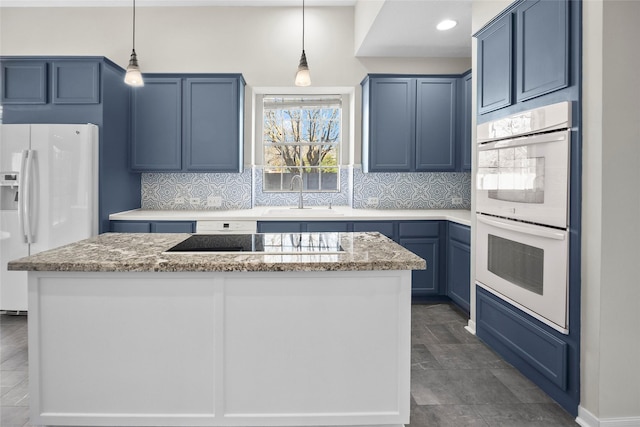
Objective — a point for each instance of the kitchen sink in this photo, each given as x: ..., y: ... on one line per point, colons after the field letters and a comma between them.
x: 305, y: 212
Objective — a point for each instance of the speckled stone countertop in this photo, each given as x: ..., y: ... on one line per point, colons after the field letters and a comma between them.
x: 128, y: 252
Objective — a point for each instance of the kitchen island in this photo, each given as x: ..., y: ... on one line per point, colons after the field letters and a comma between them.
x: 122, y: 332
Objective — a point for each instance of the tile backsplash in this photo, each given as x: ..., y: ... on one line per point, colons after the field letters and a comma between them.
x: 422, y: 190
x: 414, y: 190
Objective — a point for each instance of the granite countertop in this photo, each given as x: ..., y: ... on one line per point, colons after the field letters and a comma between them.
x: 129, y: 252
x: 285, y: 213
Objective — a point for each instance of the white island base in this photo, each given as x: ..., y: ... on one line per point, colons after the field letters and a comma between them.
x: 220, y: 348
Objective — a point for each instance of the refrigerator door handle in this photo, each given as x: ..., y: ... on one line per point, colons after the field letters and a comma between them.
x: 21, y: 193
x: 27, y: 195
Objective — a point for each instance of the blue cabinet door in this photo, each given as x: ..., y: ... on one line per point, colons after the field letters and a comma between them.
x: 435, y: 124
x: 76, y: 82
x: 459, y: 265
x: 24, y: 82
x: 542, y: 46
x: 424, y: 282
x: 391, y: 121
x: 156, y: 142
x: 495, y: 65
x: 465, y: 126
x: 212, y: 125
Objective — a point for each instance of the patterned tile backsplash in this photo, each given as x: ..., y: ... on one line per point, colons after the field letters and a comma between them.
x: 432, y: 190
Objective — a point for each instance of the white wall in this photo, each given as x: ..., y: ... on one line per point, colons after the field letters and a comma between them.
x: 264, y: 44
x: 611, y: 208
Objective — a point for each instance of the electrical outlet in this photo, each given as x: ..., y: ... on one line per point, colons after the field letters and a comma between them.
x: 214, y: 201
x: 456, y: 200
x: 194, y: 200
x: 372, y: 201
x: 178, y: 201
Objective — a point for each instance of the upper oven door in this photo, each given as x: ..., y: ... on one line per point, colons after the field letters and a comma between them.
x: 525, y: 178
x: 525, y: 264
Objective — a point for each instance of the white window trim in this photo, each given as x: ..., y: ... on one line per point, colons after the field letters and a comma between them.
x: 347, y: 148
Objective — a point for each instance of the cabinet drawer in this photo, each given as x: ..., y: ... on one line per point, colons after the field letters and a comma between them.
x: 459, y: 232
x: 420, y: 229
x: 385, y: 228
x: 173, y: 227
x: 327, y: 226
x: 130, y: 227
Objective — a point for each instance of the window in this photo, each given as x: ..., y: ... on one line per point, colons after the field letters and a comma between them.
x: 302, y: 136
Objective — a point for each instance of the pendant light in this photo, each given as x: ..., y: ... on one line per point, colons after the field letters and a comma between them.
x: 133, y: 76
x: 302, y: 76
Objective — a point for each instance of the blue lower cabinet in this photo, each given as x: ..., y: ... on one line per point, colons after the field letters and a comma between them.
x: 459, y: 265
x: 153, y: 227
x: 523, y: 342
x: 424, y: 282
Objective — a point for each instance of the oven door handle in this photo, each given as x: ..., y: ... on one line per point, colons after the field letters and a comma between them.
x: 538, y: 231
x: 525, y: 140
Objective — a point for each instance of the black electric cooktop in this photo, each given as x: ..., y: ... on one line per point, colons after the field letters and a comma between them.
x: 261, y: 243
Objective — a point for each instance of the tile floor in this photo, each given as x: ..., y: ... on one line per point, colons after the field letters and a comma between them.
x: 455, y: 381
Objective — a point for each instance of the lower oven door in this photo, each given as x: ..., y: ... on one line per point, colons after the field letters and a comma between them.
x: 525, y: 265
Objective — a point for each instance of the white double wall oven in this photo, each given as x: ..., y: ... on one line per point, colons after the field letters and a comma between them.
x: 522, y: 204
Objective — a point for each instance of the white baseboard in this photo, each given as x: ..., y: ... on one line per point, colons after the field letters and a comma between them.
x: 471, y: 327
x: 587, y: 419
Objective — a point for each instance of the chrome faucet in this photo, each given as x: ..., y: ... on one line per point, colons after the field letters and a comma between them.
x: 300, y: 201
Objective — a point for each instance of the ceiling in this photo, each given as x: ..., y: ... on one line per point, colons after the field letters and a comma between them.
x: 401, y: 28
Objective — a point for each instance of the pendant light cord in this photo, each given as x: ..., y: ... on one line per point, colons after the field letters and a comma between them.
x: 134, y: 25
x: 302, y: 25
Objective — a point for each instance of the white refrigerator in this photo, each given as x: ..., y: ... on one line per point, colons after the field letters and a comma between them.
x: 48, y: 195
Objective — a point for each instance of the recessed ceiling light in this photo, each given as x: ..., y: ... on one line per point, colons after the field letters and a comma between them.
x: 447, y: 24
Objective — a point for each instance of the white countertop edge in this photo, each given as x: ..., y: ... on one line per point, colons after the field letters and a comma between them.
x: 261, y: 213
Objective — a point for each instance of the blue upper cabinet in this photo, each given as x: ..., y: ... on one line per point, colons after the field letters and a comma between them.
x: 42, y: 81
x: 212, y: 126
x: 391, y: 120
x: 157, y: 125
x: 465, y: 126
x: 409, y: 123
x: 523, y: 54
x: 76, y: 82
x: 24, y: 82
x: 542, y: 45
x: 188, y: 123
x: 495, y: 61
x: 436, y: 124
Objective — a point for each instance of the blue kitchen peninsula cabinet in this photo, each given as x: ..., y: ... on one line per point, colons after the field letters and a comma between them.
x: 526, y: 47
x: 188, y: 123
x: 409, y: 123
x: 78, y: 89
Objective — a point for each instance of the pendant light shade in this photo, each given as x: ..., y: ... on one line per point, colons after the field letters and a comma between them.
x: 133, y: 76
x: 303, y: 78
